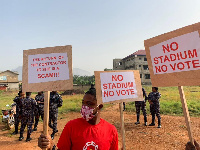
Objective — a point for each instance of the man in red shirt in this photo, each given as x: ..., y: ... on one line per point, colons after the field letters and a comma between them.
x: 87, y: 133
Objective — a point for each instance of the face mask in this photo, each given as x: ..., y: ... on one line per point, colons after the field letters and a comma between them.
x: 87, y: 113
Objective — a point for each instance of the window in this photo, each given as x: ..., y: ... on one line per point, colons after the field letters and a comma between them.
x: 145, y: 59
x: 140, y: 75
x: 140, y: 58
x: 147, y: 76
x: 145, y: 67
x: 139, y: 65
x: 120, y: 63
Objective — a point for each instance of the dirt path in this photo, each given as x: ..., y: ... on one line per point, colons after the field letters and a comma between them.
x: 172, y: 135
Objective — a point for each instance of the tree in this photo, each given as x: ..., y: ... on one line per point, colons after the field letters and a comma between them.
x: 83, y: 80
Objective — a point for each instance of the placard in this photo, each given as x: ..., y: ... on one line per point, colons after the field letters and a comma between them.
x: 47, y: 69
x: 174, y: 57
x: 118, y: 86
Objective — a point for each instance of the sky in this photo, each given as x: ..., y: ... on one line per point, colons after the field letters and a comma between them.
x: 98, y: 30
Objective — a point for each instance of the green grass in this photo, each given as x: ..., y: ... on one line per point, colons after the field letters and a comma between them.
x: 170, y: 102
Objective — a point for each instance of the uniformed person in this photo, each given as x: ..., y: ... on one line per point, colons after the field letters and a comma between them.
x: 55, y: 102
x: 39, y: 109
x: 141, y: 105
x: 28, y: 107
x: 17, y: 116
x: 153, y: 99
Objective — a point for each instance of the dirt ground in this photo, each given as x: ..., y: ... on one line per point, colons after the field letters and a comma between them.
x: 172, y: 136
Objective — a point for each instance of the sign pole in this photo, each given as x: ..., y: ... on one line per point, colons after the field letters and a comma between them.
x: 46, y: 113
x: 122, y: 125
x: 186, y: 113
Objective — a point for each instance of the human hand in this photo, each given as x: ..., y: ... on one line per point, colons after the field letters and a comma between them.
x: 190, y: 146
x: 44, y: 142
x: 150, y: 102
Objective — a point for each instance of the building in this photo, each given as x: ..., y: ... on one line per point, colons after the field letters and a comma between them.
x: 9, y: 80
x: 135, y: 61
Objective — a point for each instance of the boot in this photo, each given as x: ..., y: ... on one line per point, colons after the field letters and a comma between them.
x: 16, y: 131
x: 35, y: 128
x: 159, y: 123
x: 52, y: 135
x: 153, y: 121
x: 138, y: 119
x: 145, y: 120
x: 21, y: 137
x: 28, y: 138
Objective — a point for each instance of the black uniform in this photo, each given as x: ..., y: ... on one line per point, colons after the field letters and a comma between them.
x: 28, y: 107
x: 39, y: 109
x: 155, y: 107
x: 55, y: 102
x: 18, y: 101
x: 141, y: 105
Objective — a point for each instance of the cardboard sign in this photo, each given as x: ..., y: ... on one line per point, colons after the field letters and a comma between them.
x: 47, y: 69
x: 174, y: 57
x: 118, y: 86
x: 178, y: 54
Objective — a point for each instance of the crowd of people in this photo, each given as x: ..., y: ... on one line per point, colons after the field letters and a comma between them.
x: 29, y: 110
x: 88, y: 132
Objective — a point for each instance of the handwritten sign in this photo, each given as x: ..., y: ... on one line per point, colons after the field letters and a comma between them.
x: 118, y: 86
x: 48, y: 67
x: 174, y: 57
x: 178, y: 54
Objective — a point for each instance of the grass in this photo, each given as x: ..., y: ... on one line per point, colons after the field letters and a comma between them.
x: 170, y: 102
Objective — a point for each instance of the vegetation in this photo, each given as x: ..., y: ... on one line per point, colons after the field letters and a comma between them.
x: 83, y: 80
x: 169, y: 101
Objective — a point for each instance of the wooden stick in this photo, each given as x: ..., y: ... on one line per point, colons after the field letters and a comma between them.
x: 122, y: 125
x: 46, y: 113
x: 186, y: 113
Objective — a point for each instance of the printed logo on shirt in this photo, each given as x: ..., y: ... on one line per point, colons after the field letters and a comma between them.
x: 90, y: 146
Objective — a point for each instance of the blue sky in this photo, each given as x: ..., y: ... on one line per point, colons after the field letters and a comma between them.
x: 98, y: 30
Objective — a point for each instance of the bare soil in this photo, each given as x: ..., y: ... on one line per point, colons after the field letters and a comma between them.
x: 172, y: 136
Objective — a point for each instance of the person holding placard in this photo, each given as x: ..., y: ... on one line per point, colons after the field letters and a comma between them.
x: 190, y: 146
x: 28, y: 108
x: 55, y: 102
x: 153, y: 99
x: 141, y: 105
x: 88, y: 132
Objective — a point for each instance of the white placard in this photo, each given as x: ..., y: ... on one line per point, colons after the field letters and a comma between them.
x: 178, y: 54
x: 47, y: 67
x: 117, y: 86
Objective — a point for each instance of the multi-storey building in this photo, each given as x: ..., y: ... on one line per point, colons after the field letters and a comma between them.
x: 135, y: 61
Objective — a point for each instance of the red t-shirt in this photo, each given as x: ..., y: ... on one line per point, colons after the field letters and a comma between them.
x: 78, y: 134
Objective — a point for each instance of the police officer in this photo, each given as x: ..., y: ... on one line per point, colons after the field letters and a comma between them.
x: 39, y: 109
x: 28, y: 107
x: 141, y: 105
x: 17, y: 116
x: 153, y: 99
x: 55, y: 102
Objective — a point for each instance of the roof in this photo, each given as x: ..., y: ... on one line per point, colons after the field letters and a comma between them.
x: 9, y: 71
x: 139, y: 52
